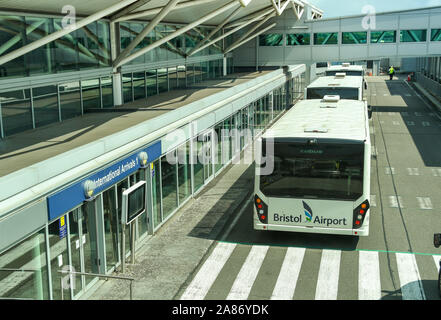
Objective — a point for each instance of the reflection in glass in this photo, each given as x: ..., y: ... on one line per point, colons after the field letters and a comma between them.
x: 29, y: 256
x: 169, y: 187
x: 184, y: 172
x: 16, y: 111
x: 91, y: 94
x: 151, y: 83
x: 198, y: 167
x: 45, y: 105
x: 89, y: 239
x: 139, y: 85
x: 75, y: 247
x: 12, y: 29
x: 111, y: 228
x: 59, y: 257
x: 156, y: 192
x: 127, y: 87
x: 107, y: 92
x: 162, y: 80
x: 70, y: 100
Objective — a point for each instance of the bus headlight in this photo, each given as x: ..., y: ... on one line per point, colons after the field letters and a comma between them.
x: 261, y: 209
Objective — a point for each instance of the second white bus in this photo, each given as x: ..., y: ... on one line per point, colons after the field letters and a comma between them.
x: 314, y: 170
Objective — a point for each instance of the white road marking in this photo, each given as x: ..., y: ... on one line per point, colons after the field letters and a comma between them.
x: 413, y: 171
x: 208, y: 273
x: 426, y: 124
x: 437, y: 259
x: 411, y: 286
x: 289, y: 273
x: 327, y: 282
x: 247, y: 275
x: 369, y: 284
x: 373, y: 200
x: 390, y: 170
x: 396, y: 202
x: 436, y: 172
x: 396, y: 123
x: 425, y: 203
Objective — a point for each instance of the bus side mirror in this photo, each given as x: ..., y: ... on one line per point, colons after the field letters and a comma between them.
x: 365, y: 85
x: 437, y: 240
x: 370, y: 112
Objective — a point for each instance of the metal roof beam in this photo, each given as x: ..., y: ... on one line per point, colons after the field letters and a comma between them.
x: 249, y: 32
x: 58, y: 34
x: 192, y: 25
x: 230, y: 32
x: 129, y: 9
x: 252, y: 15
x: 153, y: 11
x: 250, y: 38
x: 215, y: 30
x: 149, y: 28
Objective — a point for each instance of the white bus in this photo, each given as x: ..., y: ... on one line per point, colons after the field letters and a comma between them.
x: 347, y: 87
x: 350, y: 70
x: 314, y: 170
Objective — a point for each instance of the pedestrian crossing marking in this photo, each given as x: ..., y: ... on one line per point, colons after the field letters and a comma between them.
x: 436, y: 172
x: 369, y: 284
x: 425, y: 203
x: 327, y: 282
x: 248, y: 273
x: 396, y: 201
x: 413, y: 171
x: 411, y: 285
x: 208, y: 273
x: 287, y: 280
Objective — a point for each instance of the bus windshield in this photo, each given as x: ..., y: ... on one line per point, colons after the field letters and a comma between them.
x: 344, y: 93
x: 323, y: 171
x: 348, y: 73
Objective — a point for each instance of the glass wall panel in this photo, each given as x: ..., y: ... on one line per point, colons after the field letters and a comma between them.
x: 66, y: 49
x: 75, y: 244
x: 107, y: 92
x: 218, y: 160
x: 205, y: 70
x: 89, y: 239
x: 12, y: 29
x: 127, y: 87
x: 103, y: 41
x: 383, y: 36
x: 120, y: 188
x: 156, y: 192
x: 198, y: 72
x: 91, y: 94
x: 326, y: 38
x: 58, y: 256
x: 162, y: 80
x: 184, y: 172
x: 190, y: 75
x: 354, y: 37
x: 16, y: 111
x: 435, y: 35
x: 198, y: 166
x: 32, y: 282
x: 161, y: 31
x: 139, y: 88
x: 169, y: 187
x: 152, y: 88
x: 271, y: 40
x: 298, y: 39
x: 88, y: 47
x: 111, y: 228
x: 173, y: 78
x: 40, y: 60
x: 226, y: 141
x: 182, y: 77
x: 45, y: 105
x: 413, y: 35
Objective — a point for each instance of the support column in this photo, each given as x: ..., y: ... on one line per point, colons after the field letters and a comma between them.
x: 225, y: 67
x: 117, y: 88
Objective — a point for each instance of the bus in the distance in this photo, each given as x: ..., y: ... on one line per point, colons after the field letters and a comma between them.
x: 314, y: 170
x: 347, y: 87
x: 350, y: 70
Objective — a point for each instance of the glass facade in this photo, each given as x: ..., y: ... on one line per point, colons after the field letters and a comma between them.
x: 271, y: 40
x: 354, y: 37
x: 298, y: 39
x: 326, y: 38
x: 435, y: 35
x: 383, y: 36
x: 413, y: 35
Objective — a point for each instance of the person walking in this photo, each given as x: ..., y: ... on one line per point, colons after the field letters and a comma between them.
x: 391, y: 73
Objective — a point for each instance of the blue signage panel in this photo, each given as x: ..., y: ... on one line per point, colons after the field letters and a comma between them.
x: 67, y: 199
